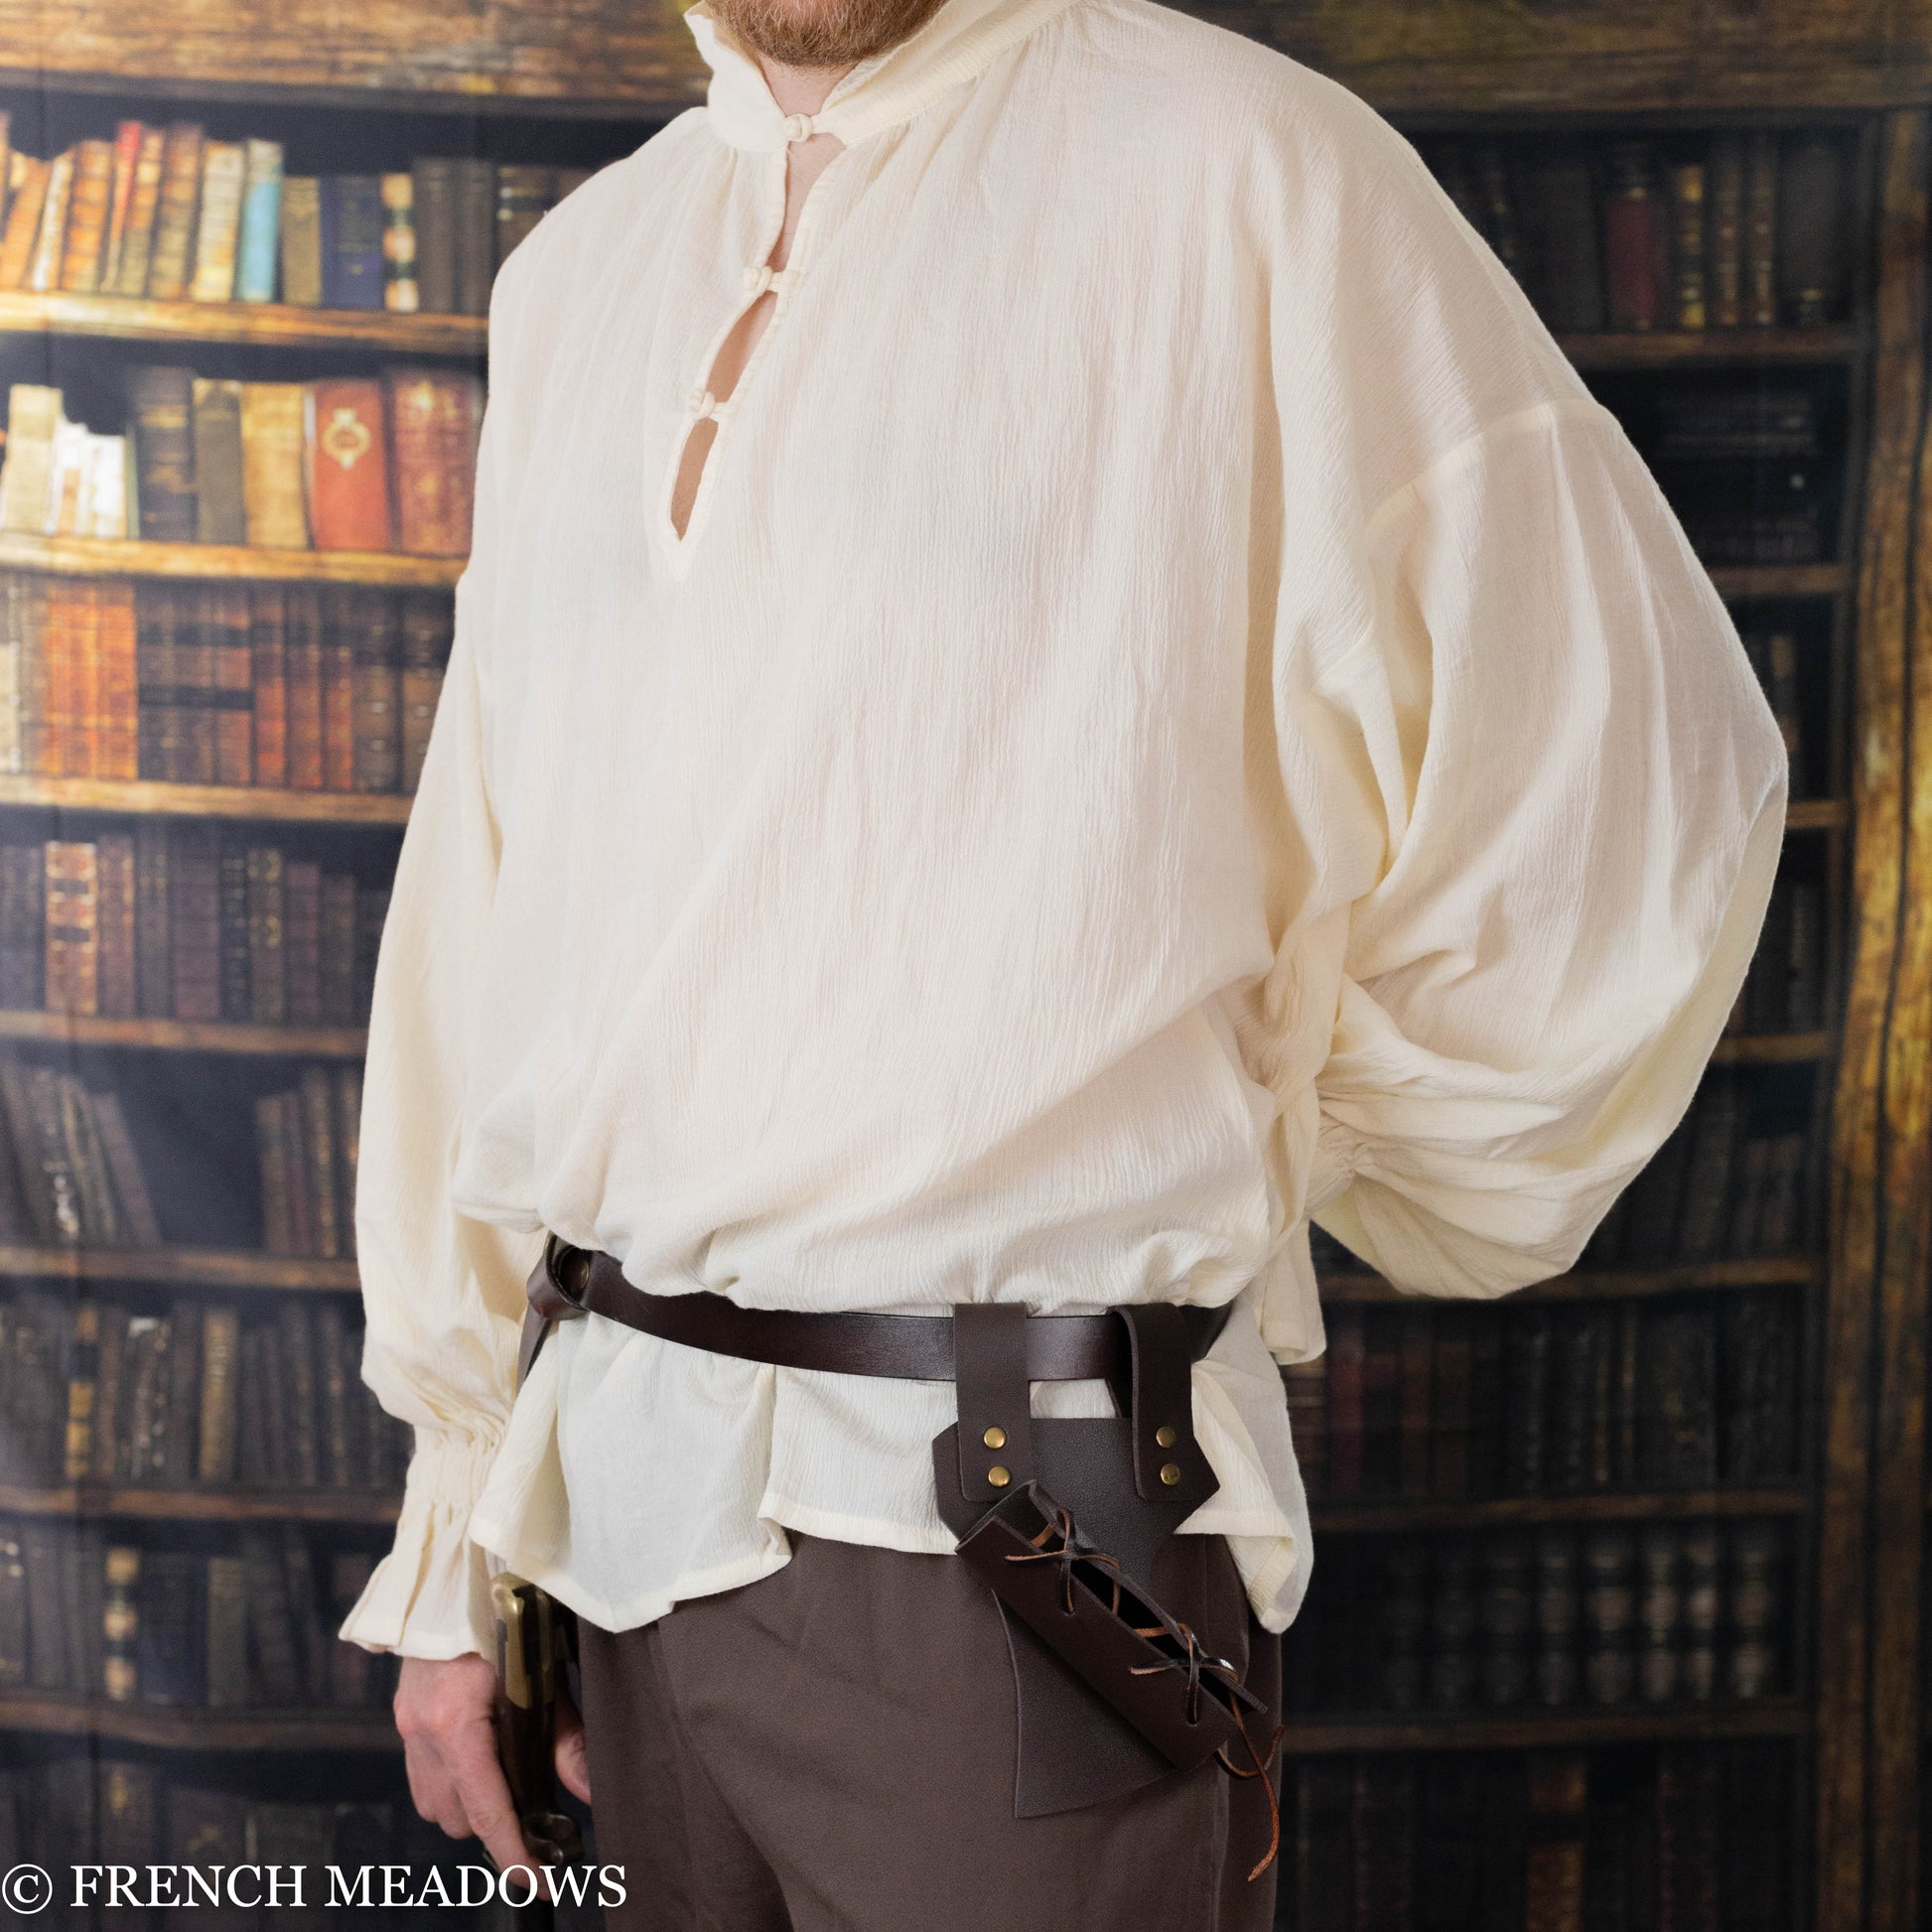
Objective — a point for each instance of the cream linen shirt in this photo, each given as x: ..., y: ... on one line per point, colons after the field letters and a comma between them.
x: 1174, y: 711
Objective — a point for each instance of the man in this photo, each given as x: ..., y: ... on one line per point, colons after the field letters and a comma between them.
x: 1056, y: 677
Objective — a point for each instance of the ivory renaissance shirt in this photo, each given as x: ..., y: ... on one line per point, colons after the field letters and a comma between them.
x: 1175, y: 712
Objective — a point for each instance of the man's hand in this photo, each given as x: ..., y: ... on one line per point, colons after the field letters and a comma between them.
x: 446, y: 1712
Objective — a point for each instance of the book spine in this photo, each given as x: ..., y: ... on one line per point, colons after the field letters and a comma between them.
x: 73, y: 972
x: 120, y: 200
x: 301, y: 214
x: 137, y: 247
x: 87, y: 215
x: 400, y: 292
x: 179, y: 200
x: 261, y: 204
x: 154, y: 948
x: 115, y: 923
x: 267, y: 611
x: 235, y: 685
x: 223, y: 165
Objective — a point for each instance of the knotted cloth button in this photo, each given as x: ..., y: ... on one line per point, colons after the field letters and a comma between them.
x: 798, y: 127
x: 703, y: 403
x: 758, y: 280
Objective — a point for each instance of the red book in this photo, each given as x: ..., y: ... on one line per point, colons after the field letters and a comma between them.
x: 347, y: 459
x: 434, y: 418
x: 60, y: 672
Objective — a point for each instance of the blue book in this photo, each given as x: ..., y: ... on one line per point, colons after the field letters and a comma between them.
x: 351, y: 241
x: 261, y: 222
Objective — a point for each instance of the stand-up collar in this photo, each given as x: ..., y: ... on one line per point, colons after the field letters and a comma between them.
x: 957, y: 43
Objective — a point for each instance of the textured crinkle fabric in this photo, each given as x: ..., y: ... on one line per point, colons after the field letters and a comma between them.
x: 1175, y: 712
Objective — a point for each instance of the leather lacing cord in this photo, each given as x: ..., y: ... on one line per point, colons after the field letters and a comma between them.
x: 1192, y: 1659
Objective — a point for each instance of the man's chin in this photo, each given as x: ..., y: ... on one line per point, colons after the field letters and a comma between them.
x: 822, y: 34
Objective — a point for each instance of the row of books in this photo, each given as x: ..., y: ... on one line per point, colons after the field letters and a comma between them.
x: 1784, y: 990
x: 168, y: 214
x: 1556, y: 1618
x: 364, y: 464
x: 1683, y: 1838
x: 202, y: 1396
x: 1460, y: 1402
x: 184, y: 922
x: 69, y: 1172
x: 306, y: 1140
x: 1723, y: 1185
x: 1728, y: 231
x: 85, y: 1613
x: 308, y: 687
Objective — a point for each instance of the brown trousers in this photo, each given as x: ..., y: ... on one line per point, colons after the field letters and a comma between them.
x: 831, y: 1750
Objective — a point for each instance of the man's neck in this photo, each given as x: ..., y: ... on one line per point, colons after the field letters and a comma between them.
x: 800, y: 90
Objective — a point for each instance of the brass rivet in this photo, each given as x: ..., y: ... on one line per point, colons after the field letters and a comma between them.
x: 995, y: 1437
x: 998, y: 1475
x: 1164, y: 1435
x: 1171, y: 1474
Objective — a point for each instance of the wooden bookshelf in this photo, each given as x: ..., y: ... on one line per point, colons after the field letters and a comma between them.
x: 232, y: 1269
x: 1674, y: 348
x: 1397, y: 1517
x: 187, y: 1035
x: 96, y: 1502
x: 1771, y: 1049
x: 270, y: 325
x: 194, y: 1728
x: 129, y: 557
x: 1851, y: 1728
x: 1555, y: 1730
x: 150, y: 799
x: 1743, y: 583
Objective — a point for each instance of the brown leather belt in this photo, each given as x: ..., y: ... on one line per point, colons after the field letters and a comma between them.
x: 915, y: 1348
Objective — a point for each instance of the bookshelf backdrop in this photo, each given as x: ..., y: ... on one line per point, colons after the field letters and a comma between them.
x: 1608, y: 1628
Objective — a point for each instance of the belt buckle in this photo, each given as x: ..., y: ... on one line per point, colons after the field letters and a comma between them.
x: 568, y: 1267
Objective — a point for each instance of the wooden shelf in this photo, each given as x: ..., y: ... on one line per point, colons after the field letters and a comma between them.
x: 1356, y: 1517
x: 240, y: 1269
x: 1652, y: 348
x: 1816, y: 815
x: 1770, y: 1049
x: 273, y: 324
x: 92, y: 1500
x: 1779, y: 580
x: 143, y: 797
x: 1493, y: 1732
x: 125, y: 557
x: 203, y: 1729
x: 187, y: 1035
x: 1610, y: 1285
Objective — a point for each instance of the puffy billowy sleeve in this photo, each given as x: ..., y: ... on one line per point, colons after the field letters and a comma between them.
x: 443, y: 1293
x: 1550, y: 738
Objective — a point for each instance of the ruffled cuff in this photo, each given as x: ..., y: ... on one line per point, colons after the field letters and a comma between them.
x: 430, y: 1596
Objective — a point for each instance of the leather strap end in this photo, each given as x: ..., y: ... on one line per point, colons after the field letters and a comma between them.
x: 1169, y: 1461
x: 996, y: 1434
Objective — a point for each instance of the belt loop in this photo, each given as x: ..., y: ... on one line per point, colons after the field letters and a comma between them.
x: 1168, y: 1458
x: 995, y: 1422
